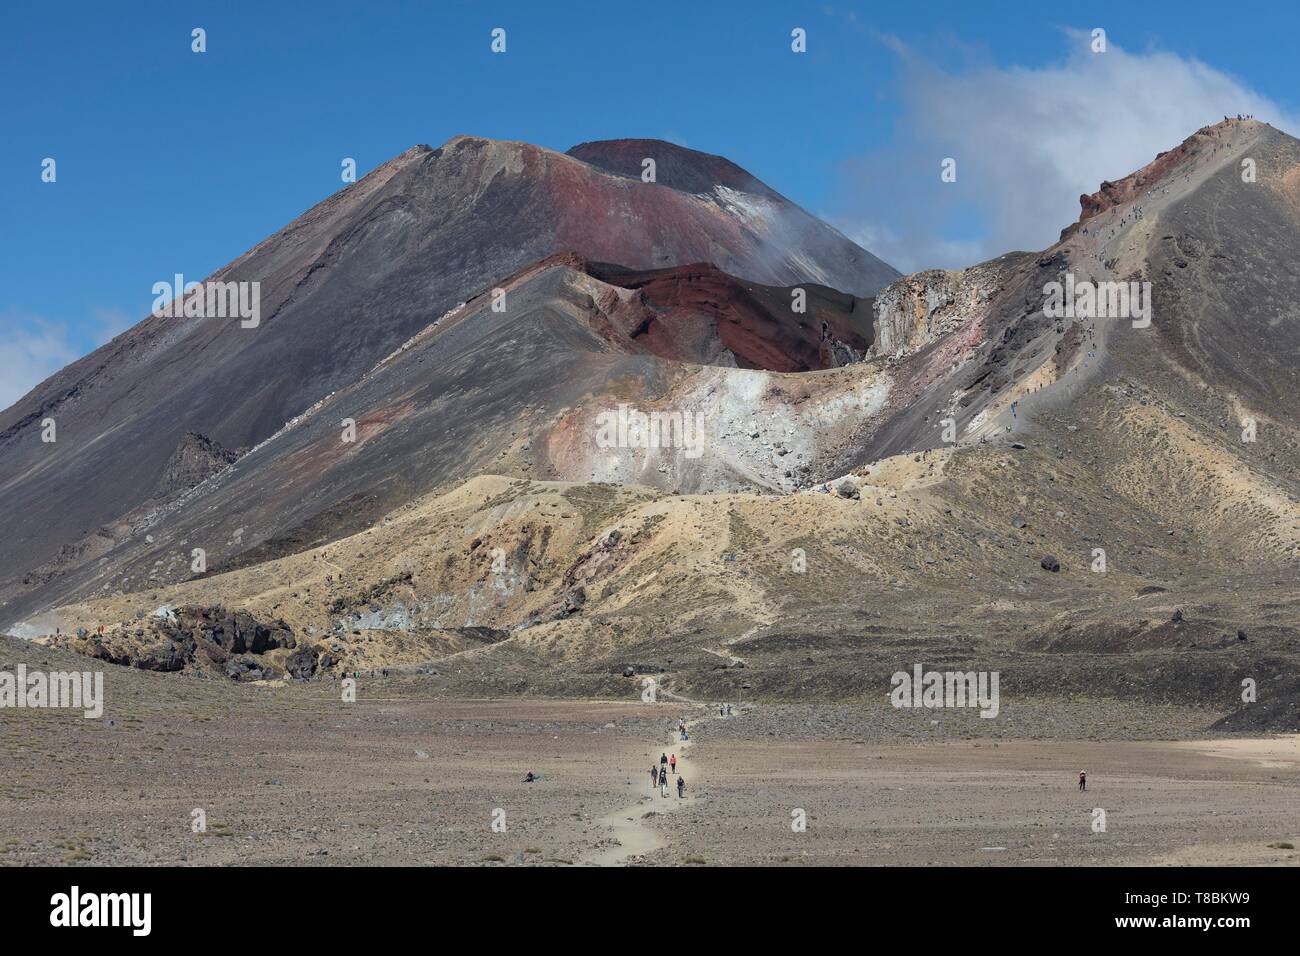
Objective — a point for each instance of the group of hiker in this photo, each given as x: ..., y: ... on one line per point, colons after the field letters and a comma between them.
x: 660, y: 773
x: 667, y: 765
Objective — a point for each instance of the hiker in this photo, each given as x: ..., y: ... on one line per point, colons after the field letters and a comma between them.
x: 683, y: 734
x: 1083, y: 780
x: 663, y: 777
x: 663, y: 759
x: 721, y: 710
x: 681, y: 786
x: 663, y: 787
x: 654, y: 776
x: 672, y: 763
x: 529, y: 777
x: 728, y: 710
x: 681, y: 724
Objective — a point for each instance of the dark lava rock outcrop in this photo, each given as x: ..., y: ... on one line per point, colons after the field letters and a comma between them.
x: 234, y: 643
x: 195, y: 459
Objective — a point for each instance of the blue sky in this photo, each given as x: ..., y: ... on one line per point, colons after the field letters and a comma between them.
x: 171, y: 161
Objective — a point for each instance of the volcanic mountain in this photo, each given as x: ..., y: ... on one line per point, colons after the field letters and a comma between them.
x: 949, y: 472
x: 412, y: 247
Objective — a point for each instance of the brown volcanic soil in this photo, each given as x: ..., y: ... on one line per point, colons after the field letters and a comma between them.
x: 293, y: 775
x: 980, y: 803
x: 296, y: 776
x: 926, y: 565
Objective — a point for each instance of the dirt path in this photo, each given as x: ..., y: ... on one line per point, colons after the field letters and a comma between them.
x: 731, y: 659
x: 629, y: 826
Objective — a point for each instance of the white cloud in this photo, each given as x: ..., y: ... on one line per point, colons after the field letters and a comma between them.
x: 110, y: 323
x: 1027, y: 142
x: 31, y: 350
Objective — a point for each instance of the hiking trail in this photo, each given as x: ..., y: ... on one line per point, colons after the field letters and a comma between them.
x: 630, y: 827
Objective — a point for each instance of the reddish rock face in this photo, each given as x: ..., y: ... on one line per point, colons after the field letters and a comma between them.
x: 1117, y: 193
x: 700, y: 314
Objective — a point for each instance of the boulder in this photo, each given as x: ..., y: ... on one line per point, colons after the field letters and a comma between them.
x: 302, y: 663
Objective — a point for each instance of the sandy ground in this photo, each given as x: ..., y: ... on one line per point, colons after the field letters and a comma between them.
x: 293, y: 775
x: 991, y: 803
x: 310, y: 782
